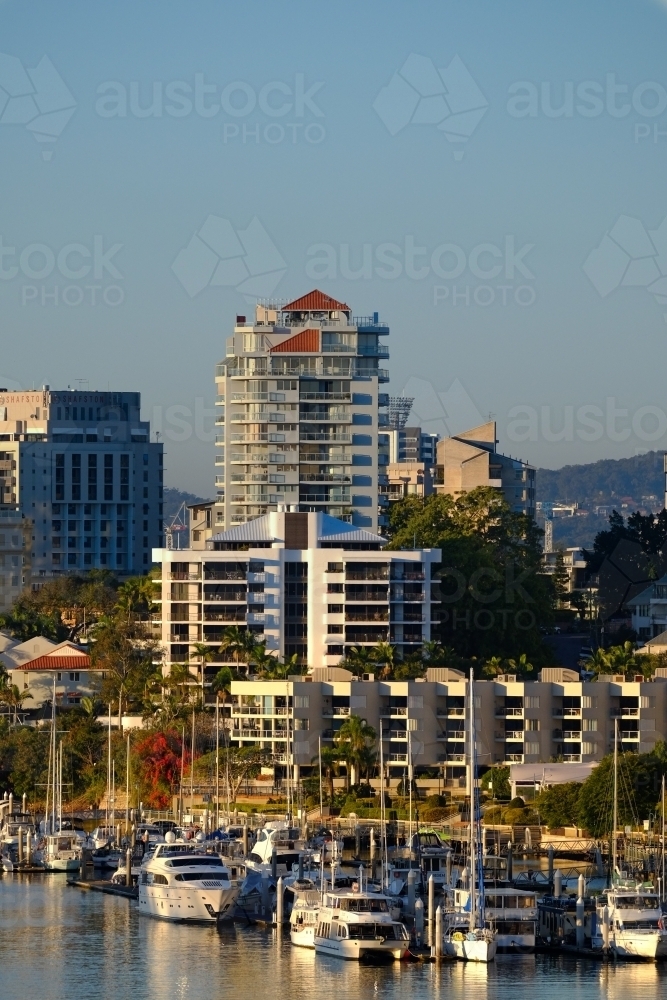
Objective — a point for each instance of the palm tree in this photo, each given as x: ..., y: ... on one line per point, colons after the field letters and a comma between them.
x: 521, y: 667
x: 222, y: 683
x: 621, y: 658
x: 135, y: 592
x: 432, y: 652
x: 13, y: 698
x: 331, y: 759
x: 355, y: 737
x: 359, y: 659
x: 179, y: 679
x: 239, y: 642
x: 204, y: 653
x: 492, y: 667
x: 598, y: 663
x: 383, y: 655
x: 265, y: 663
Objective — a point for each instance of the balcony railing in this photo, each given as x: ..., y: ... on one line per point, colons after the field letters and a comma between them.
x: 184, y: 576
x: 393, y: 712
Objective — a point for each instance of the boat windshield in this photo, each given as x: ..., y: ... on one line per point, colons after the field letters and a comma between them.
x: 199, y: 861
x: 198, y: 876
x: 370, y: 932
x: 638, y: 902
x: 640, y: 925
x: 364, y: 905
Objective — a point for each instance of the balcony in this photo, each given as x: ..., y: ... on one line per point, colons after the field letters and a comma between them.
x: 393, y: 712
x: 375, y: 352
x: 459, y: 734
x: 509, y: 713
x: 255, y: 618
x: 572, y: 735
x: 572, y: 758
x: 184, y: 576
x: 515, y: 736
x: 514, y: 758
x: 336, y: 397
x: 394, y: 734
x: 398, y: 758
x: 343, y: 438
x: 629, y: 734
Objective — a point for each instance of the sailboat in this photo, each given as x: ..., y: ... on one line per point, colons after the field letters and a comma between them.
x: 467, y: 935
x: 61, y: 851
x: 629, y: 914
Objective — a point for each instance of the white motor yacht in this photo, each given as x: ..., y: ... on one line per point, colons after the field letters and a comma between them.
x: 182, y: 883
x: 356, y: 925
x: 305, y: 910
x: 101, y: 836
x: 635, y: 921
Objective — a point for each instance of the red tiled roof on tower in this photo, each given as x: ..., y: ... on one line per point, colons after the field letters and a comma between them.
x: 315, y: 301
x: 304, y: 341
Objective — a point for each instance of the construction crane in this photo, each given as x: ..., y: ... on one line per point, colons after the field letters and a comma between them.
x: 177, y: 525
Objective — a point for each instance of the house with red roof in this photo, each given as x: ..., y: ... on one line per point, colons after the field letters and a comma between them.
x: 37, y: 664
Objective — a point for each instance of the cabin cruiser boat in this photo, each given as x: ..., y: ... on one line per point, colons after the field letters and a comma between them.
x: 102, y: 836
x: 182, y: 883
x: 635, y: 920
x: 9, y: 831
x: 356, y: 924
x: 511, y: 912
x: 61, y: 852
x: 305, y: 910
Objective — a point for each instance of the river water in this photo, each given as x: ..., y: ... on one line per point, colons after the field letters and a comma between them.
x: 61, y: 943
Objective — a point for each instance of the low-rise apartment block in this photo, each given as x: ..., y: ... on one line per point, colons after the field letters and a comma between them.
x: 558, y: 717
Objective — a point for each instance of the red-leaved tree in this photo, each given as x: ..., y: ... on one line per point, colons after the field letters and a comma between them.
x: 159, y: 757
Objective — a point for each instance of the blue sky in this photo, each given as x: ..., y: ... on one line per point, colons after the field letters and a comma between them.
x: 532, y: 290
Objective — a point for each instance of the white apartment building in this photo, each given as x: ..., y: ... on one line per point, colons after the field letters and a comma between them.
x: 298, y: 413
x: 517, y: 722
x: 305, y: 583
x: 81, y: 466
x: 649, y: 610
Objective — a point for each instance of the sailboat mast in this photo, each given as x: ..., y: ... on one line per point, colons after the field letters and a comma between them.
x: 55, y: 761
x: 615, y: 814
x: 471, y: 793
x: 662, y: 838
x: 108, y: 771
x: 192, y: 769
x: 319, y: 757
x: 217, y: 763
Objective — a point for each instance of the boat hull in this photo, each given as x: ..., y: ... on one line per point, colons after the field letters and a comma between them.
x: 359, y: 951
x: 628, y: 945
x: 471, y: 950
x: 303, y: 937
x: 196, y: 904
x: 62, y: 864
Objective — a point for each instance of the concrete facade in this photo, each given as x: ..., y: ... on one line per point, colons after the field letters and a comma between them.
x: 528, y: 722
x: 15, y: 553
x: 298, y: 396
x: 468, y: 460
x: 82, y: 468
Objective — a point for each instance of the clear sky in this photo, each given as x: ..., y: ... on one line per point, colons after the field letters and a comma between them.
x: 489, y: 177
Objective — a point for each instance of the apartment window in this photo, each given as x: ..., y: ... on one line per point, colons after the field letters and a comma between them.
x: 532, y: 725
x: 335, y: 629
x: 74, y: 676
x: 415, y: 701
x: 532, y: 748
x: 71, y: 559
x: 587, y: 748
x: 108, y: 477
x: 334, y: 567
x: 335, y: 609
x: 92, y: 477
x: 335, y: 588
x: 589, y: 701
x: 647, y: 701
x: 589, y: 725
x: 60, y: 477
x: 76, y: 477
x: 125, y: 477
x: 301, y: 701
x: 532, y: 701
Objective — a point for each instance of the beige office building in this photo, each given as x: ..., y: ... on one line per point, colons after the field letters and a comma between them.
x: 468, y: 460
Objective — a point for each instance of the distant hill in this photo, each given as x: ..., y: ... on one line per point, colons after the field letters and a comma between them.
x: 601, y: 482
x: 624, y: 484
x: 174, y: 498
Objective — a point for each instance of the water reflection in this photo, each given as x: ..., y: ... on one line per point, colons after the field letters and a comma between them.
x: 64, y: 944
